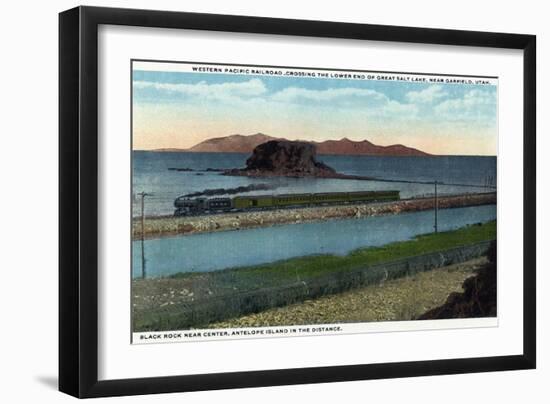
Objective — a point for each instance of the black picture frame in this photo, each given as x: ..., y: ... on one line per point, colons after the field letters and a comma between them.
x: 78, y: 200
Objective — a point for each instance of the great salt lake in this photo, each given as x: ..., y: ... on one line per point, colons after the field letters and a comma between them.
x: 216, y: 251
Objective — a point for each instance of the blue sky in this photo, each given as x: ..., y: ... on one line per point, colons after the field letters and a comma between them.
x: 179, y: 109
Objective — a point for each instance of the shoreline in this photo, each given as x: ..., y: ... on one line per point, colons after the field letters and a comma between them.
x: 195, y: 299
x: 165, y: 226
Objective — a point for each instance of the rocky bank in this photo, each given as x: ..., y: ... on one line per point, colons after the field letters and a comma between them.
x: 155, y: 227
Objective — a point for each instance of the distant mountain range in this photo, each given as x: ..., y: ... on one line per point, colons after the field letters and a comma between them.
x: 344, y: 146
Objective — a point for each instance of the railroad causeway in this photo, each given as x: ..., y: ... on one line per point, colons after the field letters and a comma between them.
x: 156, y: 227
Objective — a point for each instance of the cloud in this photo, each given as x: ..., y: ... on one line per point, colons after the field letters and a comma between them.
x: 474, y: 105
x: 397, y: 110
x: 220, y: 91
x: 370, y: 102
x: 296, y: 94
x: 427, y: 95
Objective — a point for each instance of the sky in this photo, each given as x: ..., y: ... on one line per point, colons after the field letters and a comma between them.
x: 181, y: 109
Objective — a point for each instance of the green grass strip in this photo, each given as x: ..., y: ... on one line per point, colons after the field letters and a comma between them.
x: 317, y: 265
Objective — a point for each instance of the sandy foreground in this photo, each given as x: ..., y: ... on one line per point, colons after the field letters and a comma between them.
x: 156, y: 227
x: 400, y: 299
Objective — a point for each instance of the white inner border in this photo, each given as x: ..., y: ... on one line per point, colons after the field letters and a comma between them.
x: 119, y: 359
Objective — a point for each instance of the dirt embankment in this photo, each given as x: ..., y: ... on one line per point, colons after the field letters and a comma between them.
x: 166, y: 226
x: 395, y: 300
x: 478, y: 297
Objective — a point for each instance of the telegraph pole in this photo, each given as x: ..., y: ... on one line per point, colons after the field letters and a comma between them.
x: 435, y: 207
x: 143, y: 195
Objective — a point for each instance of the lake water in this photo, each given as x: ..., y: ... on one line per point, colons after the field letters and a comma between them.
x: 151, y: 175
x: 216, y: 251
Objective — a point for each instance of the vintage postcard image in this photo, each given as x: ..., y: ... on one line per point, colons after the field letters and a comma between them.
x: 270, y: 201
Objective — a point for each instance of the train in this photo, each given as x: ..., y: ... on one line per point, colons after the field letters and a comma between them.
x: 186, y: 206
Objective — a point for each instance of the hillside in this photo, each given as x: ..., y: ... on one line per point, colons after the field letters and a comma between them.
x: 344, y: 146
x: 232, y: 143
x: 349, y: 147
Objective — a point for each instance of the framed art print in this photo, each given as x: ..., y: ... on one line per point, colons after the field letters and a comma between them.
x: 249, y: 201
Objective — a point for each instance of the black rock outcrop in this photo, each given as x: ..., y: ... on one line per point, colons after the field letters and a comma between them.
x: 285, y: 158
